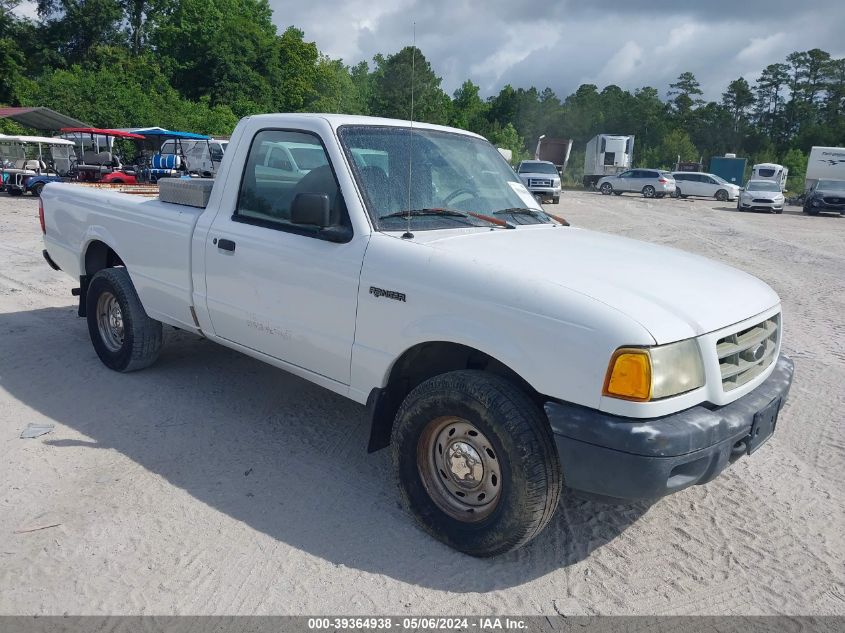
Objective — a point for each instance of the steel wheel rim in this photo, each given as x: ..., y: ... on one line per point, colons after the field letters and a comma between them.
x: 110, y: 321
x: 648, y: 192
x: 459, y: 469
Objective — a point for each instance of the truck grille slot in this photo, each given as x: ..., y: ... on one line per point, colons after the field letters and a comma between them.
x: 539, y: 182
x: 746, y: 354
x: 763, y: 200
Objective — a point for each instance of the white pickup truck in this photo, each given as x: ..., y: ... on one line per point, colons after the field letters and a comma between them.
x: 502, y: 353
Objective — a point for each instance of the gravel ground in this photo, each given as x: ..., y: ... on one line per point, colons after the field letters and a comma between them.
x: 214, y: 484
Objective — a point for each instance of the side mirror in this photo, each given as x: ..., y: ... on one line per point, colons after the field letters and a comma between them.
x: 311, y: 209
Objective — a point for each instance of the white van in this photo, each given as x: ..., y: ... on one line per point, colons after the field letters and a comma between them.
x: 770, y: 171
x: 824, y: 162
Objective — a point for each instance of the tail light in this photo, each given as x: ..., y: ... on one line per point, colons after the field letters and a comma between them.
x: 41, y: 216
x: 662, y: 180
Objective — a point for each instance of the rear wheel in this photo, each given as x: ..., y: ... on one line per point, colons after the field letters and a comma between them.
x: 648, y: 191
x: 124, y: 337
x: 721, y: 195
x: 37, y: 188
x: 606, y: 188
x: 14, y: 192
x: 476, y: 462
x: 677, y: 193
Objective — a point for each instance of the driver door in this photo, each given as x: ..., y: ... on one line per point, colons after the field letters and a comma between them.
x: 277, y: 287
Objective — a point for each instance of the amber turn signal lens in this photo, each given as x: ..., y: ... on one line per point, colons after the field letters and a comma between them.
x: 629, y: 375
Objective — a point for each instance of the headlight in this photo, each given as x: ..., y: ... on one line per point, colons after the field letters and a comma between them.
x: 651, y: 373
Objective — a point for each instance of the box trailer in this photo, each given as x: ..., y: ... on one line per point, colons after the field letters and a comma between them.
x: 729, y: 167
x: 554, y: 150
x: 825, y: 162
x: 607, y: 155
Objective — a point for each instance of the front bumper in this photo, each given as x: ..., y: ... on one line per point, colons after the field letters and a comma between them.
x: 623, y: 458
x: 762, y: 206
x: 821, y: 205
x: 550, y: 192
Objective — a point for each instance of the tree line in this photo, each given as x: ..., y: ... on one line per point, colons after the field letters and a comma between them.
x: 200, y: 65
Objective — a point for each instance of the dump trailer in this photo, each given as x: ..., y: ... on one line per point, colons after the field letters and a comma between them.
x: 607, y: 155
x: 554, y: 150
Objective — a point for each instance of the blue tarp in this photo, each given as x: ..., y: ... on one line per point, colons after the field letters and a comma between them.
x: 157, y: 131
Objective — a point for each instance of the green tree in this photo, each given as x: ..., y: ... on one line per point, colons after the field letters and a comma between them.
x: 796, y: 162
x: 391, y: 88
x: 685, y: 93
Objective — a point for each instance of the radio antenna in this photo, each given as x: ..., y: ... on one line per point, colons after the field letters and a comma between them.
x: 408, y: 234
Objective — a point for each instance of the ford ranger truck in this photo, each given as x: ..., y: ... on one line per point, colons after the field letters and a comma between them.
x: 501, y: 353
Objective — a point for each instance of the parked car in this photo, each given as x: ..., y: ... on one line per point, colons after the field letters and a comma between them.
x: 541, y: 178
x: 499, y: 361
x: 703, y: 184
x: 651, y: 183
x: 825, y: 195
x: 761, y: 195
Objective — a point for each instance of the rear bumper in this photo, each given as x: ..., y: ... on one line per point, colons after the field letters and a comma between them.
x: 624, y: 458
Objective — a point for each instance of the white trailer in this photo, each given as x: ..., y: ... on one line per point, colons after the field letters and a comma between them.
x: 607, y: 155
x: 770, y: 171
x: 824, y: 162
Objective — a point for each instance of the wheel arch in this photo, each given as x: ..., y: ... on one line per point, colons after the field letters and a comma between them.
x: 421, y: 362
x: 98, y: 255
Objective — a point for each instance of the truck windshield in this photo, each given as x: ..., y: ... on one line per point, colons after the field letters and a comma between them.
x: 537, y: 168
x: 399, y: 169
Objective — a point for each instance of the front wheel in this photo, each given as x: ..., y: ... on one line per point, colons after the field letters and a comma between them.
x: 606, y: 188
x: 556, y: 200
x: 124, y: 337
x: 721, y: 195
x: 676, y: 193
x: 476, y: 462
x: 648, y: 191
x: 36, y: 189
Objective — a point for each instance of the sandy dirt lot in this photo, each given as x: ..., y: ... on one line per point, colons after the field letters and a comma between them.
x: 212, y: 483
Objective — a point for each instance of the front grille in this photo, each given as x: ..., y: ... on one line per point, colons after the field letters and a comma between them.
x: 834, y: 200
x: 763, y: 200
x: 746, y: 354
x: 539, y: 182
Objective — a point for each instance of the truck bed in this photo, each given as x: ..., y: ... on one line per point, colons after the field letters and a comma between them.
x: 152, y: 239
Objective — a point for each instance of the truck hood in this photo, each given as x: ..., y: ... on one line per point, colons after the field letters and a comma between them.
x: 671, y: 293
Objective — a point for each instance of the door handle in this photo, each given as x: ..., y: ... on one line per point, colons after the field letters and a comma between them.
x: 226, y: 245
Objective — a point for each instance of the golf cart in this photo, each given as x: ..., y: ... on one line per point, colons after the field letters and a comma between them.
x: 177, y: 154
x: 26, y: 160
x: 98, y: 157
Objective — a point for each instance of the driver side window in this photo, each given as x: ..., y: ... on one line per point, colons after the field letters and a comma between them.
x: 270, y: 182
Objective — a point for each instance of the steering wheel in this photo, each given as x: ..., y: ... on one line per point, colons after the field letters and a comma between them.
x: 458, y: 192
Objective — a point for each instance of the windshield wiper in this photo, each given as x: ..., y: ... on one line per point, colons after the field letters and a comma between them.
x: 533, y: 213
x: 449, y: 213
x: 415, y: 213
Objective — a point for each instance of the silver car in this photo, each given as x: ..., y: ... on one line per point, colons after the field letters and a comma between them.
x: 762, y: 195
x: 541, y: 178
x: 695, y: 183
x: 651, y: 183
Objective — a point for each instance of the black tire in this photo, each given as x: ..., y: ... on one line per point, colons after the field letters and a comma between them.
x: 520, y: 446
x: 606, y: 189
x: 140, y: 338
x: 617, y: 193
x: 721, y: 195
x: 648, y: 191
x: 677, y: 193
x: 659, y: 195
x: 738, y: 205
x: 14, y: 192
x: 556, y: 200
x: 36, y: 189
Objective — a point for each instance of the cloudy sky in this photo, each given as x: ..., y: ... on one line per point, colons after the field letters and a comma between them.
x: 562, y: 44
